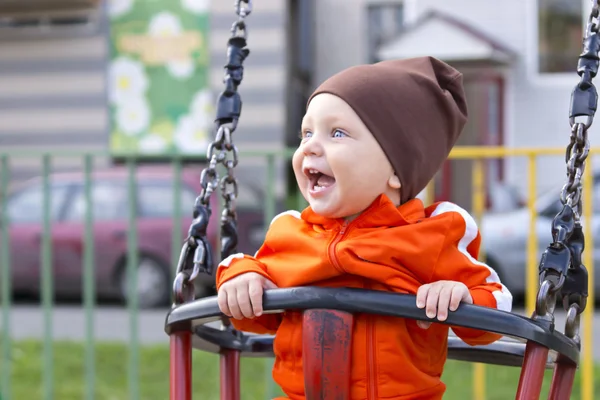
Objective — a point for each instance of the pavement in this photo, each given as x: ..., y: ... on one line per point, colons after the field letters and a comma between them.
x: 113, y: 323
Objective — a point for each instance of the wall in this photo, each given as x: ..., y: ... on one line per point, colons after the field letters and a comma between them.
x: 341, y: 35
x: 53, y: 85
x: 536, y: 107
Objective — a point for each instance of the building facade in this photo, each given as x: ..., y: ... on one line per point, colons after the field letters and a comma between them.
x: 519, y: 61
x: 53, y: 74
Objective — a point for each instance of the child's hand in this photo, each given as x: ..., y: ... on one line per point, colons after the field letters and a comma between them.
x: 242, y: 296
x: 440, y: 296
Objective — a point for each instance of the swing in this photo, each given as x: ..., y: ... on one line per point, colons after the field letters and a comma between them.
x: 530, y: 343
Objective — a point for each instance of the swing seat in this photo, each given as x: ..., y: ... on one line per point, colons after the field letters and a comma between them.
x: 527, y: 343
x: 507, y: 351
x: 201, y: 317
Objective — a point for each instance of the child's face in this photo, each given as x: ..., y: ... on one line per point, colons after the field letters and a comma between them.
x: 339, y: 166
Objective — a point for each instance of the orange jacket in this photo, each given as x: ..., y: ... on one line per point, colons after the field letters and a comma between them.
x: 386, y: 248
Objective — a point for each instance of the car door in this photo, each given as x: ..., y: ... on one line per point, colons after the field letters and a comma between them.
x: 156, y: 216
x: 595, y: 246
x: 109, y: 235
x: 25, y: 219
x: 545, y: 230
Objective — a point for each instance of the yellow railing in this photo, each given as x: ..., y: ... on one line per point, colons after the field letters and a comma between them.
x: 479, y: 155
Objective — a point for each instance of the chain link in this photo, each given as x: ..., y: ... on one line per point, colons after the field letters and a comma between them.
x: 592, y: 25
x: 577, y: 152
x: 572, y: 323
x: 561, y: 268
x: 196, y: 250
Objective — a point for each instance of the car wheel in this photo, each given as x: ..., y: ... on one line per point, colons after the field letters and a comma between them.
x: 153, y: 283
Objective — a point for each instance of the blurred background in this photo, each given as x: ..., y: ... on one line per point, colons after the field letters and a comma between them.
x: 106, y: 112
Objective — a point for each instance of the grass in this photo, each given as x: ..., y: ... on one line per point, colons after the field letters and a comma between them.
x: 111, y: 381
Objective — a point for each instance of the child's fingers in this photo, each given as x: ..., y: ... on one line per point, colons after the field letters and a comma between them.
x: 423, y: 324
x: 232, y: 302
x: 422, y: 295
x: 267, y: 284
x: 243, y: 300
x: 444, y: 302
x: 457, y: 295
x: 255, y: 291
x: 432, y: 300
x: 222, y: 301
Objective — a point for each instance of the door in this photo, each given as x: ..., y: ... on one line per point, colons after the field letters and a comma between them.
x: 25, y: 219
x: 156, y: 212
x: 544, y: 229
x: 109, y: 235
x: 484, y: 127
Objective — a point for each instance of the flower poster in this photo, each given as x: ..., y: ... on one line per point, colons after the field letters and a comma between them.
x: 158, y: 77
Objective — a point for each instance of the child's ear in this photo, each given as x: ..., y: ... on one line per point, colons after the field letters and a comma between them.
x: 394, y: 182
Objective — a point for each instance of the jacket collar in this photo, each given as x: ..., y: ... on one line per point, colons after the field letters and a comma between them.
x: 381, y: 213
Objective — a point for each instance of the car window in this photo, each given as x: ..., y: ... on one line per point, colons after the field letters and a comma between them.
x: 27, y: 204
x: 596, y: 199
x: 552, y: 209
x: 109, y: 201
x: 556, y: 205
x: 155, y: 199
x: 248, y: 198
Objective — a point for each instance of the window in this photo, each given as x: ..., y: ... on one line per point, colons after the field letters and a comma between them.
x: 156, y: 200
x: 560, y: 33
x: 109, y: 202
x: 385, y: 22
x: 553, y: 207
x: 19, y: 20
x: 596, y: 198
x: 27, y: 205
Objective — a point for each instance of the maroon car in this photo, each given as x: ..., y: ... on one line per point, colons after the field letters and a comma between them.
x: 155, y: 223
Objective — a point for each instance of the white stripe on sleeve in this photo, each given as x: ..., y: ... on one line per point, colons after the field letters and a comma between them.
x: 503, y: 297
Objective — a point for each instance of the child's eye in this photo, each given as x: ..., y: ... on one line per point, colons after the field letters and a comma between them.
x: 305, y: 134
x: 338, y: 133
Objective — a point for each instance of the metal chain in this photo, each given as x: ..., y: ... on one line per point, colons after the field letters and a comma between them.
x: 561, y: 268
x: 196, y: 249
x: 577, y: 152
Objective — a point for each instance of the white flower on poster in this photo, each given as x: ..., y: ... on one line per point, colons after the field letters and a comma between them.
x: 181, y: 69
x: 196, y: 6
x: 164, y: 24
x: 190, y: 135
x: 127, y: 80
x: 153, y: 144
x: 202, y: 109
x: 118, y: 8
x: 203, y: 104
x: 133, y: 116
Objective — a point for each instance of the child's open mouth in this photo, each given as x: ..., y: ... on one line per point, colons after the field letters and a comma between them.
x: 319, y: 182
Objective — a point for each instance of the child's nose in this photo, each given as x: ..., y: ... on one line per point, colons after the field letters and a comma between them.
x: 312, y: 146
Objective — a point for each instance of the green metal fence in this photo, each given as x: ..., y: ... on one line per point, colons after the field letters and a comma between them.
x: 87, y: 160
x: 87, y: 163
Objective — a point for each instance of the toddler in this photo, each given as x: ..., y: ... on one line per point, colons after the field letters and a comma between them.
x: 373, y: 136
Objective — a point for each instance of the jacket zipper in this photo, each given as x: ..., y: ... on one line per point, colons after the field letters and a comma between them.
x: 371, y: 365
x: 372, y: 378
x: 338, y: 237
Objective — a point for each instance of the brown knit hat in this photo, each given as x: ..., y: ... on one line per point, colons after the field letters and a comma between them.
x: 415, y: 108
